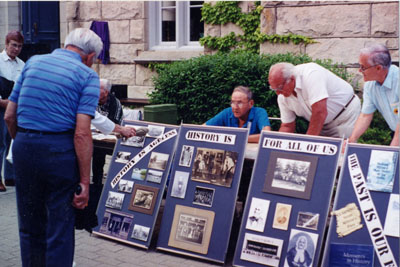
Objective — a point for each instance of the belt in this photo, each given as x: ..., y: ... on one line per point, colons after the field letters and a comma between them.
x: 23, y: 130
x: 344, y: 108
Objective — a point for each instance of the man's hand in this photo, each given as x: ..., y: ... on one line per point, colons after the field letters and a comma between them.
x: 125, y: 131
x: 81, y: 201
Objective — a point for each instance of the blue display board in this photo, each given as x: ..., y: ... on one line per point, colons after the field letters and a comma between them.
x: 365, y: 228
x: 202, y: 192
x: 131, y: 197
x: 288, y: 200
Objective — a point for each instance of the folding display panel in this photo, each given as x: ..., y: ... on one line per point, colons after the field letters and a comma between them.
x: 138, y: 172
x: 365, y: 228
x: 202, y: 192
x: 287, y: 204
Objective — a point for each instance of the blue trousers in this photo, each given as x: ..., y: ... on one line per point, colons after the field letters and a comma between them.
x: 5, y: 140
x: 46, y: 176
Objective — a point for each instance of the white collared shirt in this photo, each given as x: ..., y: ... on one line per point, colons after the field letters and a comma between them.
x: 9, y: 68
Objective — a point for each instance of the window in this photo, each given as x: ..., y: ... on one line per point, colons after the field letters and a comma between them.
x: 175, y: 25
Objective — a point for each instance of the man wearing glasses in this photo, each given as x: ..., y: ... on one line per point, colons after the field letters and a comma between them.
x: 242, y: 114
x: 316, y: 94
x: 381, y: 91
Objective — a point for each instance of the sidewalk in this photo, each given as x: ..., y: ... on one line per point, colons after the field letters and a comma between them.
x: 89, y: 250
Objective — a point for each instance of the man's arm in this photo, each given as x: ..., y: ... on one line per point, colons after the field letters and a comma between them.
x: 254, y: 138
x: 288, y: 127
x: 10, y: 117
x: 83, y: 148
x: 124, y: 131
x: 318, y: 115
x: 395, y: 140
x: 361, y: 125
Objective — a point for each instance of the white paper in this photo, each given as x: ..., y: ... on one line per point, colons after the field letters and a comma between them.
x: 392, y: 222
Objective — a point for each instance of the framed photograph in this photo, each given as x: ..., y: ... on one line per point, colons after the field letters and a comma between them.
x: 186, y: 156
x: 214, y: 166
x: 382, y: 170
x: 257, y: 214
x: 154, y: 176
x: 261, y: 249
x: 203, y: 196
x: 282, y: 216
x: 143, y: 199
x: 115, y: 200
x: 158, y: 161
x: 290, y: 174
x: 140, y: 232
x: 122, y: 157
x: 135, y: 141
x: 180, y: 183
x: 139, y: 174
x: 155, y: 131
x: 191, y: 229
x: 307, y: 220
x: 125, y: 186
x: 116, y: 224
x: 301, y: 248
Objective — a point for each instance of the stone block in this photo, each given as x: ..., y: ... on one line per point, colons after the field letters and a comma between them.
x: 119, y: 31
x: 268, y: 22
x: 385, y: 19
x: 124, y: 53
x: 231, y: 27
x: 136, y: 30
x: 71, y: 10
x: 139, y: 91
x: 270, y: 48
x: 356, y: 79
x: 122, y: 9
x: 246, y: 6
x: 118, y: 73
x: 327, y: 20
x: 89, y: 10
x: 144, y: 75
x: 212, y: 30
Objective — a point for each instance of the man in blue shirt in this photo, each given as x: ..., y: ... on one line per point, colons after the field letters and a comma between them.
x: 48, y: 115
x: 380, y: 91
x: 243, y: 114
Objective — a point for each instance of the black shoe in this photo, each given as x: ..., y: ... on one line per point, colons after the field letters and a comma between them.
x: 9, y: 182
x: 2, y: 187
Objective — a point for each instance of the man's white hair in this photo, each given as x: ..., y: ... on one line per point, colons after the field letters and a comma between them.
x: 106, y: 83
x: 86, y: 40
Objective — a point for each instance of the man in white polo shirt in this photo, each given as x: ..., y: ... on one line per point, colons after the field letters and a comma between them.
x: 316, y: 94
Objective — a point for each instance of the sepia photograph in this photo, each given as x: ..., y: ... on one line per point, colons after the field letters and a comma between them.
x: 203, y: 196
x: 154, y: 176
x: 155, y: 131
x: 179, y: 185
x: 140, y: 232
x: 137, y: 140
x: 282, y: 216
x: 257, y: 214
x: 307, y: 220
x: 290, y: 174
x: 116, y: 224
x: 301, y: 248
x: 139, y: 174
x: 125, y: 186
x: 214, y: 166
x: 115, y: 200
x: 158, y: 161
x: 122, y: 157
x: 143, y: 199
x: 186, y: 156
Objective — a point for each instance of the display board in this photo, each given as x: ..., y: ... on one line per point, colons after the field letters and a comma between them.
x: 288, y: 200
x: 202, y: 192
x: 365, y: 228
x: 138, y: 172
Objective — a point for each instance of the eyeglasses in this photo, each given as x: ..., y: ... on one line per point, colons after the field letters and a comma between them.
x: 362, y: 68
x: 280, y: 88
x: 16, y: 46
x: 237, y: 104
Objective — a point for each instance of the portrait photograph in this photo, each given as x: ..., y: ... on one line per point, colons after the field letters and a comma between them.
x: 115, y: 200
x: 140, y: 232
x: 143, y: 199
x: 154, y: 176
x: 139, y: 174
x: 122, y: 157
x: 191, y: 229
x: 257, y: 214
x: 214, y: 166
x: 135, y: 141
x: 290, y: 174
x: 180, y: 184
x: 308, y: 220
x: 158, y: 161
x: 282, y: 216
x: 116, y: 224
x: 125, y: 186
x: 186, y: 156
x: 301, y: 248
x: 203, y: 196
x: 155, y: 131
x: 261, y: 249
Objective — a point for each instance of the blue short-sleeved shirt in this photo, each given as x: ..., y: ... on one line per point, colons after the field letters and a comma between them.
x: 52, y: 89
x: 257, y: 120
x: 383, y: 97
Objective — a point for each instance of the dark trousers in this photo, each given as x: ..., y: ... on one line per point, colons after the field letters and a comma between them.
x: 98, y: 161
x: 46, y: 176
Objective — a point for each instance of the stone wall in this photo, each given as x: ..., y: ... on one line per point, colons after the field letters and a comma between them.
x: 10, y: 19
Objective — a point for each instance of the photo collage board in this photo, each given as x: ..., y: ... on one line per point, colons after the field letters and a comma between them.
x: 365, y: 226
x: 200, y: 203
x: 287, y: 204
x: 131, y: 197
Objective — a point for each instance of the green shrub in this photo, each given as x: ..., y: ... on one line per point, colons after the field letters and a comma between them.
x: 378, y: 133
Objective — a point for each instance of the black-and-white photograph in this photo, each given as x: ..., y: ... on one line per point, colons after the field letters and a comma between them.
x: 155, y: 131
x: 137, y: 140
x: 143, y: 199
x: 140, y: 232
x: 154, y: 176
x: 115, y: 200
x: 186, y: 156
x: 214, y: 166
x: 116, y: 224
x: 291, y: 174
x: 301, y: 248
x: 203, y: 196
x: 139, y: 174
x: 122, y: 157
x: 257, y: 214
x: 191, y: 228
x: 180, y: 183
x: 158, y: 161
x: 307, y: 220
x: 125, y: 186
